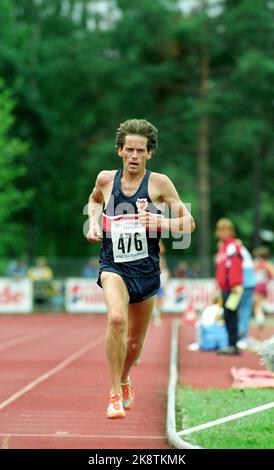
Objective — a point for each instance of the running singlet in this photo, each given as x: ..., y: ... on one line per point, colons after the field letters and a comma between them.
x: 129, y: 248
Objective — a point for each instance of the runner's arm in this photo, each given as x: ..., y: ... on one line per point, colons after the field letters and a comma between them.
x: 182, y: 220
x: 95, y: 208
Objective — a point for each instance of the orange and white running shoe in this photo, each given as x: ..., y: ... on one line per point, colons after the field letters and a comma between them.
x: 115, y: 407
x: 128, y: 395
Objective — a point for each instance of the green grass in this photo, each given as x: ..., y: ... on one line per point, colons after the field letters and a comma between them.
x: 195, y: 407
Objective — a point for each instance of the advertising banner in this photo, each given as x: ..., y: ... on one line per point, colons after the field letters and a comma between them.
x: 84, y: 296
x: 15, y: 295
x: 181, y: 293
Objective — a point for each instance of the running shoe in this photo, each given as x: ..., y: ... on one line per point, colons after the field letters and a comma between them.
x: 128, y: 395
x: 115, y: 407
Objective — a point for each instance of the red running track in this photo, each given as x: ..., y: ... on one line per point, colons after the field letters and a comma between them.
x: 54, y: 386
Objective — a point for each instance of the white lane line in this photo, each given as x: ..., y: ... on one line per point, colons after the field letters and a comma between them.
x: 51, y: 372
x: 22, y: 339
x: 84, y: 436
x: 210, y: 424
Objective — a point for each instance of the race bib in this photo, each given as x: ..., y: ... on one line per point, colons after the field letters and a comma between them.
x: 129, y: 241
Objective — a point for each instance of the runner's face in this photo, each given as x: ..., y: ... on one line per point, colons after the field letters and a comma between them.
x: 134, y: 154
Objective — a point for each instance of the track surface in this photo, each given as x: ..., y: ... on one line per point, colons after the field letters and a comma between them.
x: 54, y: 386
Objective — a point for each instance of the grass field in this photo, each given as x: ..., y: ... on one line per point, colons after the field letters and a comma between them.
x: 194, y: 407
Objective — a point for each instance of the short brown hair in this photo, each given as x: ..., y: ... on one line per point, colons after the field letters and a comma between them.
x: 137, y: 127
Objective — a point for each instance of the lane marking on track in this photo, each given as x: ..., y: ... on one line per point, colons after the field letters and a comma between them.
x: 86, y: 436
x: 51, y: 372
x: 210, y: 424
x: 22, y: 339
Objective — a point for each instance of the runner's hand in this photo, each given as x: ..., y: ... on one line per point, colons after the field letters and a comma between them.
x: 148, y: 219
x: 94, y: 234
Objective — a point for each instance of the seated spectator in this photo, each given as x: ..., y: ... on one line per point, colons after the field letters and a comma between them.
x: 212, y: 333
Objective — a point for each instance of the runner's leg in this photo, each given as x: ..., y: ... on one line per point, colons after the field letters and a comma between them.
x: 139, y: 316
x: 116, y: 298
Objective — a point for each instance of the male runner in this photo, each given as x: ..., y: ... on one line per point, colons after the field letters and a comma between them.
x: 129, y: 270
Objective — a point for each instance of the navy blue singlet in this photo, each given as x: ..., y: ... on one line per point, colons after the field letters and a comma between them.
x: 128, y: 248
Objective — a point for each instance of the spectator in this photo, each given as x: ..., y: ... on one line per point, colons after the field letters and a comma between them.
x: 17, y: 269
x: 40, y: 272
x: 247, y: 300
x: 210, y: 328
x: 229, y: 276
x: 42, y: 276
x: 264, y: 272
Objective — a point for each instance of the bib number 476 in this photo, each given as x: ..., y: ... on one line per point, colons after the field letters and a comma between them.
x: 127, y: 239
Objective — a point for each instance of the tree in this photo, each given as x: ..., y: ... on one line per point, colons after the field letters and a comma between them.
x: 242, y: 141
x: 12, y: 200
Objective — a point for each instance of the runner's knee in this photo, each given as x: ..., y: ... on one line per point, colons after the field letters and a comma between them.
x: 117, y: 320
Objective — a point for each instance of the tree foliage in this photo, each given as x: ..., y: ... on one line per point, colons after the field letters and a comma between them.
x: 12, y: 200
x: 79, y: 68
